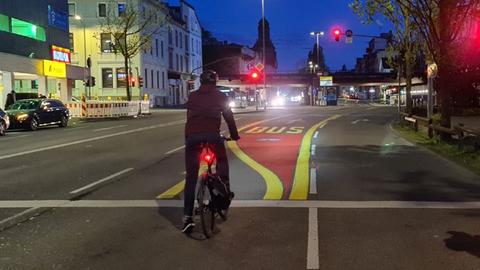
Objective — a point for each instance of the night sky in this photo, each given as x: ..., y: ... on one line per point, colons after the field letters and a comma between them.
x: 290, y: 23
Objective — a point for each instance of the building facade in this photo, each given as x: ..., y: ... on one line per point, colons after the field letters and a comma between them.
x: 160, y: 72
x: 35, y: 50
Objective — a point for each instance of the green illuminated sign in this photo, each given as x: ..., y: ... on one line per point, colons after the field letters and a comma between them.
x: 27, y: 29
x: 4, y: 23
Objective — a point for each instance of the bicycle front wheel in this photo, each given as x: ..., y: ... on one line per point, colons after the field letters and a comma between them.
x: 206, y: 209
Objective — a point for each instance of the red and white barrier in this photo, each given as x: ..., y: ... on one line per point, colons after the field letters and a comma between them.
x: 110, y: 109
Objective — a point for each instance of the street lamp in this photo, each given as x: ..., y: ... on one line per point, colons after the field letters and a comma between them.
x: 318, y: 34
x: 79, y: 18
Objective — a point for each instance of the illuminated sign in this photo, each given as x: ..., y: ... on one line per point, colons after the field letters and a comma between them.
x: 326, y: 80
x: 57, y: 18
x: 54, y: 69
x: 60, y: 54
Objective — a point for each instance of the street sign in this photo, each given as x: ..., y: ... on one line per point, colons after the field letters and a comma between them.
x: 259, y: 66
x: 349, y: 40
x: 326, y: 81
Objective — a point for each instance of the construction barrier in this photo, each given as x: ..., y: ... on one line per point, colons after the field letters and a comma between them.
x: 107, y: 109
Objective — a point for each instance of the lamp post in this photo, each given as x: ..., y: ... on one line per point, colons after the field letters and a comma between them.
x: 79, y: 18
x: 317, y: 35
x: 264, y: 51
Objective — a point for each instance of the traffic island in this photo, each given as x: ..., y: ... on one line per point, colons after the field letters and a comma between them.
x: 451, y: 151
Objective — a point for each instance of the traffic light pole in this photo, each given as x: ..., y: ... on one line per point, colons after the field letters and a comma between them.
x: 264, y: 52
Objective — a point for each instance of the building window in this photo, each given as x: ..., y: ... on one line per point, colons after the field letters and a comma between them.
x: 151, y: 79
x: 122, y: 9
x: 158, y: 79
x: 156, y: 47
x: 186, y: 64
x: 176, y: 57
x: 170, y: 38
x: 163, y: 80
x: 186, y: 43
x: 146, y: 78
x: 181, y: 39
x: 176, y: 38
x: 161, y: 51
x: 193, y: 46
x: 107, y: 78
x: 170, y: 59
x: 27, y: 29
x: 121, y: 78
x: 71, y: 42
x: 181, y: 63
x: 105, y: 42
x: 102, y: 10
x: 72, y: 9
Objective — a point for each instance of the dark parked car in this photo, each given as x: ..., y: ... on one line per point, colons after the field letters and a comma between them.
x: 34, y: 113
x: 4, y: 122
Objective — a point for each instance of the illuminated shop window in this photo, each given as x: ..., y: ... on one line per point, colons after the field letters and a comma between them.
x: 27, y: 29
x: 4, y: 23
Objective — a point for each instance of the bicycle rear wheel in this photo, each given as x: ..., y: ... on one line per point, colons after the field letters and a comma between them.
x: 206, y: 209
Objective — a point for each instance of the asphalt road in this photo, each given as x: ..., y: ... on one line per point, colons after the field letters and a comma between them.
x: 316, y: 188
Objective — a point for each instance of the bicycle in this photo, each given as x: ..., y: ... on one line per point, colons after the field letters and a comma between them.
x: 207, y: 208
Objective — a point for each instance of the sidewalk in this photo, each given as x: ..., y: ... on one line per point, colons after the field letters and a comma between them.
x: 249, y: 109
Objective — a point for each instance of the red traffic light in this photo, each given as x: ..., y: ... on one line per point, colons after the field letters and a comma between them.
x: 254, y: 75
x: 337, y: 34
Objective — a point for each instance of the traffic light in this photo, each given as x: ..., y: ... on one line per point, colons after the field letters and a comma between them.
x: 90, y: 81
x: 255, y: 75
x: 336, y: 34
x: 132, y: 81
x: 140, y: 82
x: 93, y: 81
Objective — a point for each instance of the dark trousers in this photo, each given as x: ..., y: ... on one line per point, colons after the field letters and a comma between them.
x: 192, y: 164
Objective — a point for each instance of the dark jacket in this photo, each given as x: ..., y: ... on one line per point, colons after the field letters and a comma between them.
x: 204, y: 110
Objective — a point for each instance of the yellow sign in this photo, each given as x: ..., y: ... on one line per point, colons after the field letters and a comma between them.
x: 54, y: 69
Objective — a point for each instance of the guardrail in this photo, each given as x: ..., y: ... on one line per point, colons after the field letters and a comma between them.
x: 108, y: 109
x: 465, y: 137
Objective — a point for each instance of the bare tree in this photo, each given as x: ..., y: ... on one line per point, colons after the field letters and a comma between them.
x: 132, y: 29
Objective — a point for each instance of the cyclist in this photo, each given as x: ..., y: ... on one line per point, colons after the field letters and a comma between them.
x: 204, y: 110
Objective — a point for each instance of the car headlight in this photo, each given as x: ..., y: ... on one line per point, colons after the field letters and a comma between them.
x: 7, y: 120
x: 231, y: 104
x: 22, y: 117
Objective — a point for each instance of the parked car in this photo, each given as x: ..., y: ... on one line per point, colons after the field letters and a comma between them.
x: 34, y: 113
x: 4, y: 122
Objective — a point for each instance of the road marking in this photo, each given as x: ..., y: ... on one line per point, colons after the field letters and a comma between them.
x: 316, y: 134
x: 173, y: 191
x: 109, y: 128
x: 313, y: 181
x: 100, y: 181
x: 262, y: 121
x: 245, y: 204
x: 300, y: 182
x: 359, y: 120
x: 14, y: 137
x: 312, y: 246
x: 92, y: 139
x: 313, y: 150
x: 175, y: 150
x: 274, y: 185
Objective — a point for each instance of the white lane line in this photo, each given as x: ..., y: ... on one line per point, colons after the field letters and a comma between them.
x: 92, y: 139
x: 175, y: 150
x: 247, y: 203
x: 14, y: 137
x: 100, y: 181
x: 313, y: 261
x: 315, y: 135
x: 109, y: 128
x: 313, y: 150
x: 313, y: 181
x: 237, y: 118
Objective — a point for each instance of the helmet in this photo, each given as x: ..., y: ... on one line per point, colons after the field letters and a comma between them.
x: 209, y: 77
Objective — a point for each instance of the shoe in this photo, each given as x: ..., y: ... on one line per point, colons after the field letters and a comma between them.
x: 188, y: 225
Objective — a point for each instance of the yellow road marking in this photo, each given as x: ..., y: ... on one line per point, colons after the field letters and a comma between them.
x: 173, y: 191
x: 274, y: 185
x: 179, y: 187
x: 302, y: 170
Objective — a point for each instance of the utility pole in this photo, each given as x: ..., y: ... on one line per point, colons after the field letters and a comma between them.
x: 264, y: 52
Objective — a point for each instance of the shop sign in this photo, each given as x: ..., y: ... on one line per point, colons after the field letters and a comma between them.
x: 57, y: 18
x: 60, y: 54
x: 326, y: 81
x: 54, y: 69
